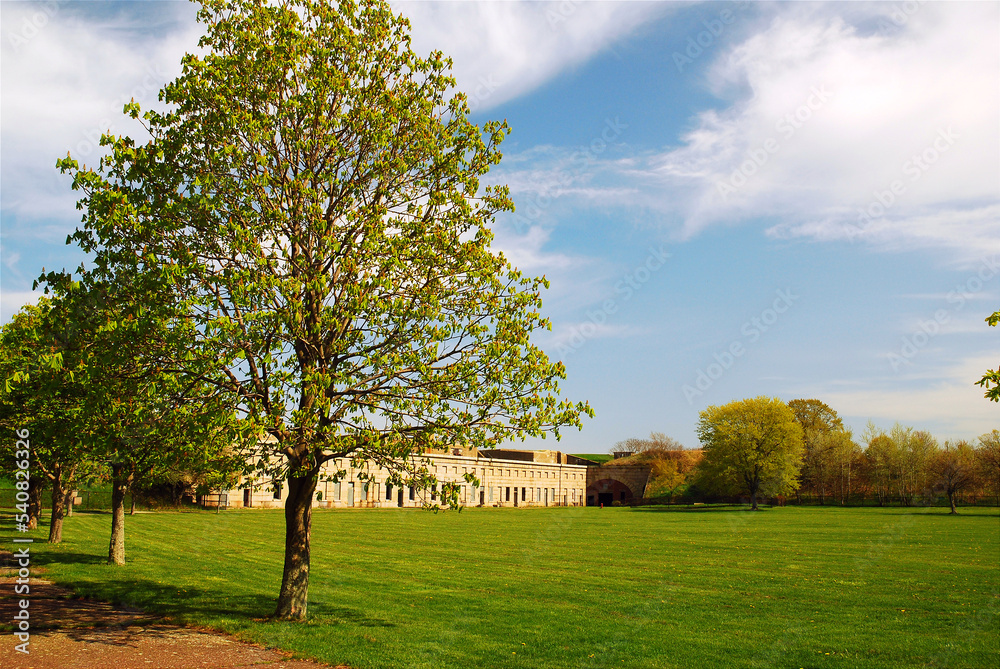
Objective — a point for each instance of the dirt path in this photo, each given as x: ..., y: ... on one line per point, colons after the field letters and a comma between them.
x: 70, y: 633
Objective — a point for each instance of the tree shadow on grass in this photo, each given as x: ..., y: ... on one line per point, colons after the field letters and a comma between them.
x: 992, y: 514
x: 54, y: 557
x: 325, y: 613
x: 722, y: 508
x: 184, y: 603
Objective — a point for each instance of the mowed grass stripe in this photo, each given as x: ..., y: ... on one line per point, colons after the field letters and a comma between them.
x: 571, y: 587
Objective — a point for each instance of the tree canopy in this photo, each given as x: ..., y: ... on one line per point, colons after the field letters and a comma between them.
x: 752, y: 446
x: 313, y: 200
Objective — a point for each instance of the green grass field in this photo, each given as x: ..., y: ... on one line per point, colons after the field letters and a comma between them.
x: 574, y: 587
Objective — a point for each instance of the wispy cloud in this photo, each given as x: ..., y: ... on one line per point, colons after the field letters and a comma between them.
x: 838, y: 127
x: 502, y: 50
x: 64, y: 84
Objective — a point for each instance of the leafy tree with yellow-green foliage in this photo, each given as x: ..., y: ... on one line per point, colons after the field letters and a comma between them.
x: 751, y: 446
x: 313, y: 196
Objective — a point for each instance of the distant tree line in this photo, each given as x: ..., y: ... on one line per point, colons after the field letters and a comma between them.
x: 763, y: 448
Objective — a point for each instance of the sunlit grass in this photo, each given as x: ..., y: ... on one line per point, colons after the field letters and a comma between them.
x: 574, y: 587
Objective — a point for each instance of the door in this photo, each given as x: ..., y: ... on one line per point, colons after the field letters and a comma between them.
x: 399, y: 498
x: 246, y: 497
x: 350, y: 494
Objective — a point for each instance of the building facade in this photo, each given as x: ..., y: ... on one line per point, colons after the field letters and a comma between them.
x: 507, y: 478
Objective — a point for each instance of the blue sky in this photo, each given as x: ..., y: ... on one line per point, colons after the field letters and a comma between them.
x: 730, y: 199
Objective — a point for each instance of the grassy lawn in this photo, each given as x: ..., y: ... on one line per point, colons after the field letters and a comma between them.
x: 573, y: 587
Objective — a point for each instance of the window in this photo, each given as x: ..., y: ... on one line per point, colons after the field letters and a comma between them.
x: 336, y: 491
x: 508, y: 494
x: 388, y: 491
x: 523, y: 495
x: 538, y: 494
x: 277, y: 490
x: 413, y: 494
x: 434, y: 492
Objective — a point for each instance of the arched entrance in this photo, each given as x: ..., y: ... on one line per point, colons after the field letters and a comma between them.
x: 607, y: 491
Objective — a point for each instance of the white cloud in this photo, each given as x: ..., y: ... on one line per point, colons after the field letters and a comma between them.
x: 828, y: 115
x: 64, y: 84
x: 573, y: 336
x: 12, y: 301
x: 504, y: 49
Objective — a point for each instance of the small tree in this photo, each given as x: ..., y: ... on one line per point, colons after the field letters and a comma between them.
x: 139, y: 413
x: 822, y: 450
x: 752, y: 445
x: 988, y: 459
x: 314, y: 197
x: 40, y: 393
x: 953, y: 469
x: 657, y: 441
x: 671, y: 465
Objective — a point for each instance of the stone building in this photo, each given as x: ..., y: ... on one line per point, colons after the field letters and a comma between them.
x: 506, y: 477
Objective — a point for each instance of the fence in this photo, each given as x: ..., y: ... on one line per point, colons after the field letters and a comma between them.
x: 95, y: 500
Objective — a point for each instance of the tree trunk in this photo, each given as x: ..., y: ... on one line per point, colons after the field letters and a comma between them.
x: 294, y: 593
x: 116, y: 549
x: 35, y: 487
x: 60, y: 498
x: 951, y: 501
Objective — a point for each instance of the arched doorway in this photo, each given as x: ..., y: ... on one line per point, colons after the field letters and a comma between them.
x: 608, y: 491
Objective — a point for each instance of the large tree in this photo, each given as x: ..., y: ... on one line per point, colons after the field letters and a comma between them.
x: 752, y: 446
x: 314, y: 195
